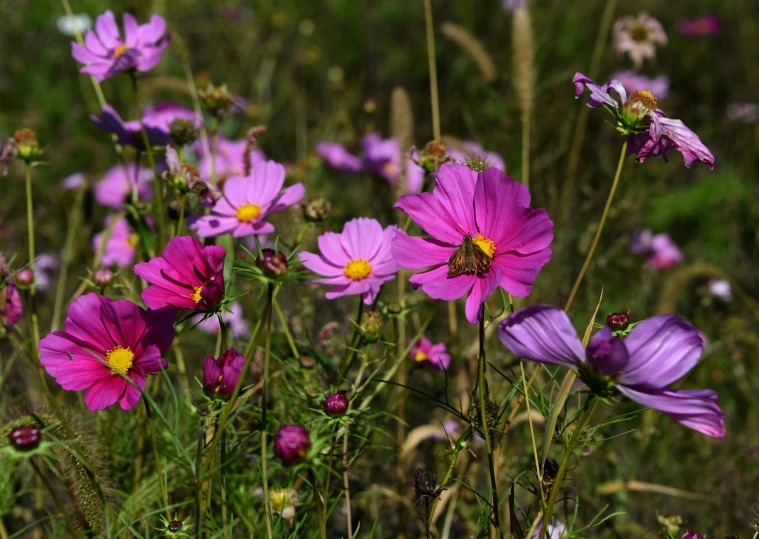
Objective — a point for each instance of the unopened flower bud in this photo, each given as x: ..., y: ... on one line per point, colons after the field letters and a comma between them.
x: 102, y: 277
x: 273, y: 264
x: 25, y: 277
x: 217, y: 99
x: 183, y: 131
x: 371, y: 326
x: 203, y: 411
x: 25, y: 437
x: 291, y: 443
x: 175, y: 525
x: 27, y: 145
x: 307, y: 362
x: 432, y: 156
x: 220, y: 376
x: 317, y: 209
x: 336, y: 404
x: 618, y: 321
x: 370, y: 106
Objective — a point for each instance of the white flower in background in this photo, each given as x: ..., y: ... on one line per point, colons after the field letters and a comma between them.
x: 70, y: 25
x: 721, y: 289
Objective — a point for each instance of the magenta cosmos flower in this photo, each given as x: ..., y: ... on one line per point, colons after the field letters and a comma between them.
x: 651, y: 132
x: 117, y: 184
x: 157, y: 120
x: 291, y: 443
x: 432, y: 356
x: 641, y: 365
x: 662, y: 252
x: 230, y: 158
x: 129, y: 339
x: 483, y: 235
x: 638, y: 37
x: 220, y: 376
x: 121, y: 244
x: 187, y: 275
x: 248, y: 201
x: 357, y: 261
x: 706, y: 25
x: 692, y: 535
x: 11, y: 307
x: 105, y: 54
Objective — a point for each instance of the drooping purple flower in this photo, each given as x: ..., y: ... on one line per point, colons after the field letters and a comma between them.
x: 233, y: 316
x: 119, y: 250
x: 382, y: 156
x: 651, y: 132
x: 338, y: 157
x: 160, y: 115
x: 291, y: 443
x: 230, y: 158
x: 468, y: 149
x: 706, y: 25
x: 358, y: 261
x: 432, y: 356
x: 483, y: 235
x: 116, y: 185
x: 641, y: 366
x: 638, y: 37
x: 11, y: 307
x: 220, y: 376
x: 632, y: 81
x: 105, y: 54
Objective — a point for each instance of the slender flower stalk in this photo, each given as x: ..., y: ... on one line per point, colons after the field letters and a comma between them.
x: 601, y: 224
x: 346, y: 484
x: 157, y: 457
x: 433, y: 70
x: 264, y: 398
x: 33, y: 322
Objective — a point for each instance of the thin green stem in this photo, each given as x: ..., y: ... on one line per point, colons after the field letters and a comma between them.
x: 286, y: 329
x: 33, y: 321
x: 321, y: 511
x: 56, y: 499
x: 329, y: 469
x: 157, y: 457
x: 346, y: 483
x: 180, y: 220
x: 582, y: 423
x: 433, y: 70
x: 526, y: 150
x: 75, y: 220
x: 355, y: 339
x: 264, y: 406
x: 448, y: 474
x: 601, y: 224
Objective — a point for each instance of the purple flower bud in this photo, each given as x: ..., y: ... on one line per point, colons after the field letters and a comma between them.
x: 618, y: 321
x: 291, y: 443
x: 25, y: 277
x: 175, y: 525
x: 220, y: 376
x: 102, y: 277
x: 25, y: 437
x: 336, y: 404
x: 273, y: 264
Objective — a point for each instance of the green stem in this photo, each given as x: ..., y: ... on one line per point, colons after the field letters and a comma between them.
x: 601, y: 223
x: 180, y: 221
x: 582, y: 423
x: 526, y: 150
x: 355, y: 339
x: 321, y: 511
x: 157, y: 457
x: 482, y: 391
x: 56, y: 499
x: 33, y: 322
x: 75, y: 220
x: 264, y: 406
x: 433, y: 70
x: 222, y: 335
x: 286, y: 329
x: 448, y: 474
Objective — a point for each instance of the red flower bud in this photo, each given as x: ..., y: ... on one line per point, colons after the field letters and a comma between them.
x: 618, y: 321
x: 336, y: 404
x: 25, y: 437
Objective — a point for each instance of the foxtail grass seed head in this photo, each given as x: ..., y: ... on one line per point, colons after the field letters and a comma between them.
x: 524, y: 59
x: 336, y: 404
x: 25, y: 437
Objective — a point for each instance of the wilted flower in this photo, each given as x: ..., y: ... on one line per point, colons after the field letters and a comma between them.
x: 233, y: 316
x: 220, y: 376
x: 121, y: 244
x: 283, y: 502
x: 105, y: 54
x: 117, y: 183
x: 11, y: 307
x: 555, y: 530
x: 25, y: 437
x: 706, y: 25
x: 743, y: 112
x: 632, y: 81
x: 651, y: 132
x: 432, y: 356
x: 291, y: 443
x: 272, y: 263
x: 188, y: 275
x: 77, y: 23
x: 638, y: 37
x: 230, y: 159
x: 336, y: 404
x: 484, y: 235
x: 27, y: 146
x: 357, y: 261
x: 721, y: 289
x: 656, y: 353
x: 248, y: 202
x: 465, y: 150
x: 74, y: 181
x: 130, y: 341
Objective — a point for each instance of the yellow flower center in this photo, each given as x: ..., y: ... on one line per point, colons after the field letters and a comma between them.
x: 121, y: 49
x: 357, y: 269
x: 280, y: 498
x: 196, y: 293
x: 133, y: 240
x: 420, y: 356
x: 248, y: 212
x: 120, y: 359
x: 487, y: 246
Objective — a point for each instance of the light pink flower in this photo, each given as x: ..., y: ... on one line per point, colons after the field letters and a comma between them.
x: 432, y: 356
x: 638, y: 37
x: 121, y: 244
x: 230, y: 156
x: 116, y: 185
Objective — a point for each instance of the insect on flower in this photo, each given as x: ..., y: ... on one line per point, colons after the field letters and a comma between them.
x: 468, y: 258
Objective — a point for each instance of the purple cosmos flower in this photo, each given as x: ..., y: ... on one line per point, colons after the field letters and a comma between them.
x: 357, y: 261
x: 664, y: 253
x: 382, y: 156
x: 743, y: 112
x: 187, y: 275
x: 432, y: 356
x: 633, y: 81
x: 484, y: 235
x: 74, y: 181
x: 651, y: 132
x: 105, y: 54
x: 692, y: 535
x: 721, y: 289
x: 11, y: 307
x: 706, y: 25
x: 121, y: 244
x: 230, y: 157
x: 248, y: 201
x: 468, y: 149
x: 160, y: 115
x: 640, y: 366
x: 338, y: 157
x: 233, y: 317
x: 117, y: 183
x: 555, y: 530
x: 291, y: 443
x: 97, y: 328
x: 220, y: 376
x: 45, y: 266
x: 638, y: 37
x: 157, y: 121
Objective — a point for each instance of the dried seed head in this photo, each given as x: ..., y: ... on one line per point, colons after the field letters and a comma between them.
x: 524, y: 55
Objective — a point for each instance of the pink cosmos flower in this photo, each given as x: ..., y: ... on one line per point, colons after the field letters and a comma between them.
x: 230, y: 155
x: 487, y: 213
x: 358, y: 261
x: 469, y: 148
x: 45, y: 266
x: 706, y: 25
x: 429, y: 355
x: 157, y: 120
x: 248, y: 201
x: 187, y: 275
x: 11, y: 307
x: 97, y: 328
x: 234, y: 319
x: 116, y: 185
x: 74, y: 181
x: 338, y: 157
x: 638, y: 37
x: 641, y: 365
x: 692, y: 535
x: 105, y: 54
x: 220, y: 376
x: 121, y: 244
x: 633, y: 81
x: 664, y: 253
x: 651, y: 132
